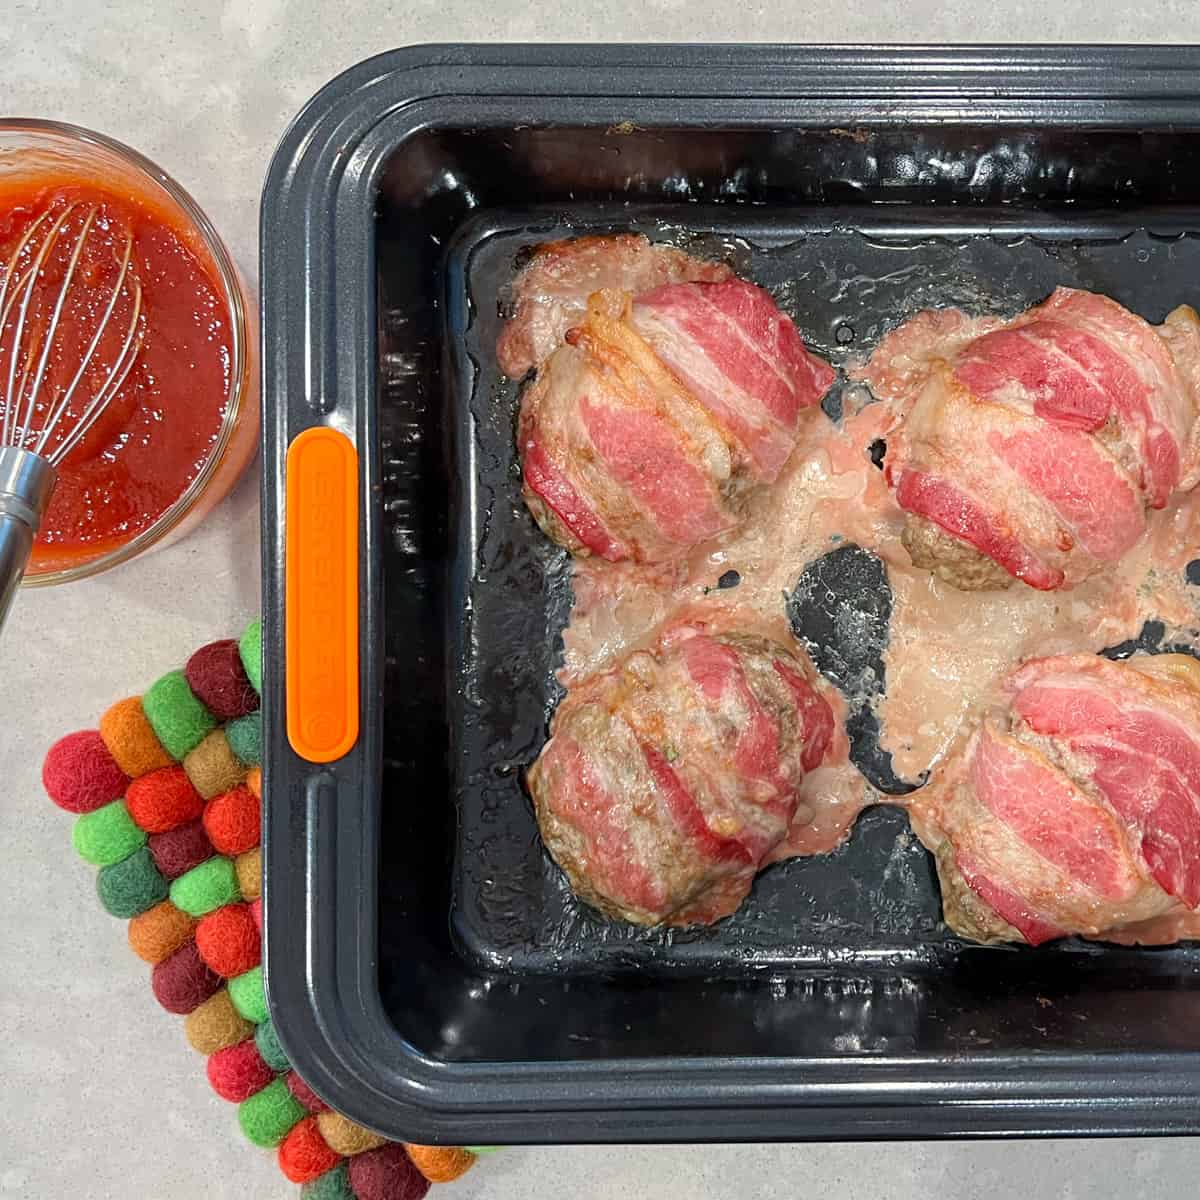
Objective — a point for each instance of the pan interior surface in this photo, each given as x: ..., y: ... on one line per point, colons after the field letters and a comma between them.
x: 484, y: 954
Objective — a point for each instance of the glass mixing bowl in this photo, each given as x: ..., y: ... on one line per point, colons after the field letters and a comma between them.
x: 39, y: 149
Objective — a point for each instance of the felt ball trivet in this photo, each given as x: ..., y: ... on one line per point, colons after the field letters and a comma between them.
x: 131, y: 740
x: 167, y: 797
x: 250, y: 652
x: 232, y: 821
x: 248, y: 868
x: 219, y: 681
x: 440, y: 1164
x: 179, y: 720
x: 246, y: 992
x: 267, y: 1116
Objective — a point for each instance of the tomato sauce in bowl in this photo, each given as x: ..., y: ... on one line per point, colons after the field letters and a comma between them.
x: 183, y: 423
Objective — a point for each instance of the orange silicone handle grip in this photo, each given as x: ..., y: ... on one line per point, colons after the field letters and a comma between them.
x: 321, y: 584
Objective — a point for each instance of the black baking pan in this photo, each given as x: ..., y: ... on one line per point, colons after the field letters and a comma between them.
x: 428, y: 971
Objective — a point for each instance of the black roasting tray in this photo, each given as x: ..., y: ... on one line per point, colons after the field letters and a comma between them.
x: 429, y: 972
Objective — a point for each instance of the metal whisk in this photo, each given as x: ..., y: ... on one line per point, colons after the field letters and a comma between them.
x: 52, y: 392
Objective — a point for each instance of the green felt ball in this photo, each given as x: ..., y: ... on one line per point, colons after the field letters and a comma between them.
x: 245, y: 738
x: 131, y: 886
x: 177, y: 717
x: 205, y: 888
x: 250, y: 648
x: 107, y: 835
x: 333, y: 1185
x: 268, y: 1115
x: 267, y: 1041
x: 482, y: 1149
x: 248, y: 996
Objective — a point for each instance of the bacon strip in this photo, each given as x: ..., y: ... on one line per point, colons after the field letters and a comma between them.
x: 1051, y: 815
x: 741, y: 358
x: 957, y: 513
x: 546, y: 481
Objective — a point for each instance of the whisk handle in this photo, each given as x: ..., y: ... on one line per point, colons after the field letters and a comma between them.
x: 26, y: 481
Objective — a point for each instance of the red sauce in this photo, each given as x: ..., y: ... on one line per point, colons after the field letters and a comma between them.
x: 162, y: 425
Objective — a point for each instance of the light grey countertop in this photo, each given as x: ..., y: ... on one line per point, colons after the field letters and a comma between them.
x: 101, y: 1096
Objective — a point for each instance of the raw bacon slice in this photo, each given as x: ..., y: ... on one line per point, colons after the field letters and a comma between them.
x: 741, y: 358
x: 962, y: 515
x: 1020, y: 788
x: 550, y: 294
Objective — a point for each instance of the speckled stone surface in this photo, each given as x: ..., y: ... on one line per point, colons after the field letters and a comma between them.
x: 103, y: 1098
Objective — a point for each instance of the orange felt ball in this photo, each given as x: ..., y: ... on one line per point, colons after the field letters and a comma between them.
x: 163, y: 800
x: 131, y: 739
x: 231, y: 821
x: 440, y: 1164
x: 229, y: 941
x: 254, y: 781
x: 304, y: 1154
x: 158, y: 932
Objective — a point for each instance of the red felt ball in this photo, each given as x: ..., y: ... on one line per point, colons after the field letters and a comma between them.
x: 232, y: 821
x: 238, y: 1072
x: 229, y: 941
x: 305, y: 1094
x: 304, y: 1153
x: 163, y: 800
x: 216, y: 676
x: 386, y: 1174
x: 256, y: 912
x: 183, y: 981
x: 80, y: 775
x: 179, y: 850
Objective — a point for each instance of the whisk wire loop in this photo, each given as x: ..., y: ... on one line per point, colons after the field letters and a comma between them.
x: 30, y: 345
